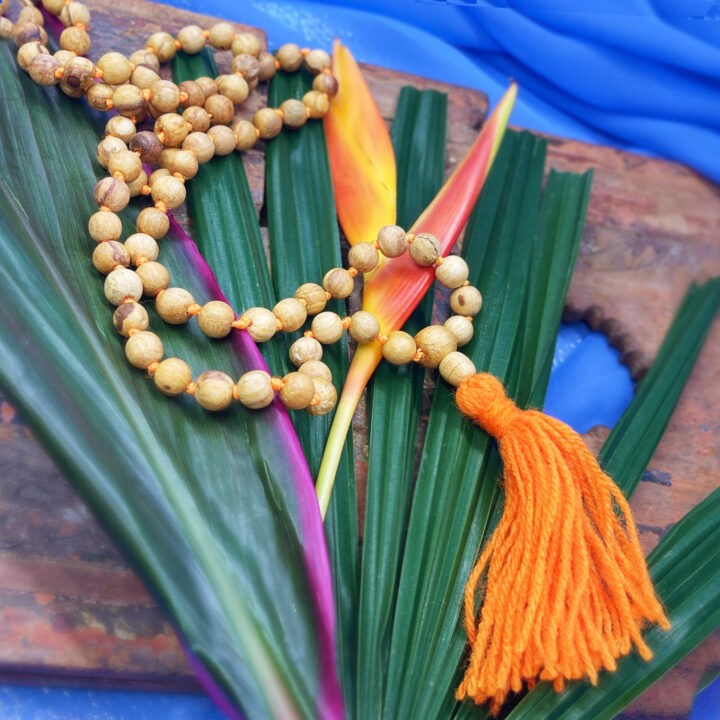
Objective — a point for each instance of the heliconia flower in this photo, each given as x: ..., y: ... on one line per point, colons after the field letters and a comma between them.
x: 360, y: 159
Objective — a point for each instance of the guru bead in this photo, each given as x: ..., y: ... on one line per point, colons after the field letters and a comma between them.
x: 297, y: 391
x: 130, y: 316
x: 215, y: 319
x: 466, y: 300
x: 172, y: 376
x: 435, y: 342
x: 122, y: 284
x: 214, y: 390
x: 172, y: 305
x: 392, y: 241
x: 144, y: 348
x: 254, y: 389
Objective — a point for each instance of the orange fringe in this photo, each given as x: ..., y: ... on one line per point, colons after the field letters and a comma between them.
x: 564, y: 582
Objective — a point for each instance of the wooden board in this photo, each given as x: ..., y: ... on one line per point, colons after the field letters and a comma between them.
x: 71, y: 608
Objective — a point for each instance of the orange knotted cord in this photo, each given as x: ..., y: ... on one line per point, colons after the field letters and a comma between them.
x: 566, y: 589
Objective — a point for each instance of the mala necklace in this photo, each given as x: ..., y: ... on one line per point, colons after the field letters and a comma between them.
x: 564, y: 582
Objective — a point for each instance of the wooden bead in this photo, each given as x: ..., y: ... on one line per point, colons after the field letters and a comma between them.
x: 268, y: 123
x: 214, y: 390
x: 165, y: 97
x: 294, y: 114
x: 327, y: 327
x: 223, y: 139
x: 364, y: 327
x: 290, y: 57
x: 197, y: 118
x: 75, y: 13
x: 456, y: 367
x: 54, y: 7
x: 316, y: 369
x: 26, y: 32
x: 162, y: 45
x: 364, y: 257
x: 130, y: 316
x: 147, y: 145
x: 116, y: 68
x: 216, y: 319
x: 399, y: 348
x: 154, y: 277
x: 245, y: 135
x: 169, y: 191
x: 42, y: 69
x: 143, y: 349
x: 75, y: 39
x: 152, y: 221
x: 303, y: 350
x: 172, y: 305
x: 137, y: 186
x: 435, y: 341
x: 104, y: 226
x: 141, y: 248
x: 220, y: 109
x: 28, y: 52
x: 128, y: 100
x: 453, y: 272
x: 109, y: 255
x: 266, y: 66
x: 339, y: 283
x: 145, y: 58
x: 291, y: 314
x: 221, y: 35
x: 191, y: 39
x: 324, y: 399
x: 106, y: 147
x: 246, y: 65
x: 172, y: 129
x: 195, y: 94
x: 179, y: 162
x: 143, y: 77
x: 112, y: 193
x: 461, y: 327
x: 207, y: 85
x: 172, y: 376
x: 200, y: 145
x: 425, y: 249
x: 466, y: 300
x: 121, y: 284
x: 234, y: 87
x: 62, y: 56
x: 392, y: 241
x: 121, y: 127
x: 254, y: 389
x: 28, y: 14
x: 326, y: 84
x: 318, y: 60
x: 313, y: 296
x: 297, y: 391
x: 263, y: 323
x: 317, y: 104
x: 245, y: 43
x: 99, y: 95
x: 6, y: 28
x: 125, y: 165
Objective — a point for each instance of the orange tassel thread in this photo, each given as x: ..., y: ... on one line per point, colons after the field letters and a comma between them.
x: 566, y: 586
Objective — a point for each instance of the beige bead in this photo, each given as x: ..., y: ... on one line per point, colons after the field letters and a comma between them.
x: 268, y: 122
x: 107, y: 146
x: 216, y: 319
x: 327, y: 327
x: 152, y: 221
x: 197, y: 118
x: 172, y: 305
x: 425, y: 249
x: 245, y: 135
x: 172, y: 129
x: 62, y: 56
x: 207, y: 85
x: 245, y: 43
x: 29, y: 14
x: 165, y: 97
x: 137, y: 186
x: 220, y: 109
x: 141, y: 248
x: 399, y: 348
x: 290, y: 57
x: 121, y: 127
x: 223, y: 139
x: 112, y: 193
x: 318, y: 60
x: 75, y: 39
x: 392, y: 241
x: 313, y: 296
x: 130, y: 316
x: 54, y: 7
x: 234, y: 87
x: 263, y: 323
x: 326, y: 83
x: 99, y: 95
x: 266, y: 66
x: 75, y: 13
x: 168, y: 190
x: 162, y: 45
x: 154, y: 277
x: 456, y: 367
x: 147, y: 145
x: 461, y: 327
x: 303, y: 350
x: 246, y: 65
x: 145, y: 58
x: 214, y: 390
x: 294, y: 114
x: 25, y: 32
x: 316, y: 369
x: 143, y: 349
x: 116, y: 68
x: 6, y: 28
x: 191, y: 39
x: 172, y: 376
x: 466, y: 300
x: 254, y: 389
x: 109, y: 255
x: 364, y: 257
x: 28, y: 52
x: 143, y: 77
x: 121, y: 284
x: 453, y: 272
x: 298, y: 390
x: 291, y: 313
x: 317, y: 104
x: 43, y: 68
x: 221, y: 35
x: 200, y: 145
x: 179, y: 162
x: 324, y: 399
x: 195, y: 94
x: 435, y: 342
x: 104, y: 226
x: 364, y: 327
x: 128, y: 100
x: 339, y: 283
x: 124, y: 165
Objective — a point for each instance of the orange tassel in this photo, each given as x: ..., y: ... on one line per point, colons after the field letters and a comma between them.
x: 565, y: 585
